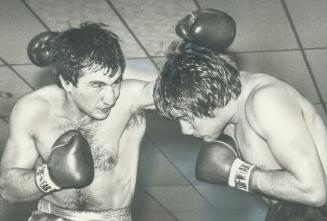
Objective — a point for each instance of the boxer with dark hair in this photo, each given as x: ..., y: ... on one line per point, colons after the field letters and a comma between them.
x: 74, y: 146
x: 276, y: 143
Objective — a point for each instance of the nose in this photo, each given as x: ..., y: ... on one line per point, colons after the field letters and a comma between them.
x: 186, y: 127
x: 110, y: 96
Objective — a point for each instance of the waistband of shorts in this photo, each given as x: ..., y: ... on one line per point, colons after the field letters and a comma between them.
x: 48, y: 207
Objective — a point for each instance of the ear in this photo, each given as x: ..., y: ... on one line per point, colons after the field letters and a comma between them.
x: 66, y: 84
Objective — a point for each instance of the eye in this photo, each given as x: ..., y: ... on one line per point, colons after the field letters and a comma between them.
x: 117, y: 82
x: 187, y: 119
x: 97, y: 85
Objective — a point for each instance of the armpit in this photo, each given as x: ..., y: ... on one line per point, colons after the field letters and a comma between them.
x: 136, y: 120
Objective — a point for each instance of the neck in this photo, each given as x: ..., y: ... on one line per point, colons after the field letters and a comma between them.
x: 73, y: 112
x: 236, y: 106
x: 239, y: 103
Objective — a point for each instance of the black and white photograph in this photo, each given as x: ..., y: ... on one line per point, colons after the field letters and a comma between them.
x: 172, y: 110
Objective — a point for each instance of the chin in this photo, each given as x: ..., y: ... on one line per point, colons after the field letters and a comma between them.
x: 210, y: 139
x: 100, y: 116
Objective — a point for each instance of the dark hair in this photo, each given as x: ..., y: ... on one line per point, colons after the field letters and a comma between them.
x: 194, y: 81
x: 88, y: 46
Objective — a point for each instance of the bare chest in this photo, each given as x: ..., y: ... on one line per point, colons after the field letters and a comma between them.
x: 115, y: 157
x: 102, y: 142
x: 253, y: 148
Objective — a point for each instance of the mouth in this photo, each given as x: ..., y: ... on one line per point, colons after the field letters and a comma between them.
x: 105, y: 110
x: 207, y: 139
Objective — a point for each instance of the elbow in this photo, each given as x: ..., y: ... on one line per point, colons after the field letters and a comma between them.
x: 317, y: 198
x: 315, y: 195
x: 4, y: 191
x: 8, y: 198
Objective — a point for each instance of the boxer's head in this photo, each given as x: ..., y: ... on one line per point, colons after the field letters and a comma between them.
x: 194, y: 84
x: 195, y: 81
x: 88, y: 64
x: 88, y: 47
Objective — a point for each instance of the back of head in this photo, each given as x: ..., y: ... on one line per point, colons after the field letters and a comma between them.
x: 195, y: 81
x: 89, y: 46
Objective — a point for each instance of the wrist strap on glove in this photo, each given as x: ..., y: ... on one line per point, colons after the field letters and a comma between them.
x: 43, y: 180
x: 240, y: 175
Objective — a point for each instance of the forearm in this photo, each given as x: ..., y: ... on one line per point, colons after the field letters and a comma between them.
x: 281, y: 184
x: 19, y: 185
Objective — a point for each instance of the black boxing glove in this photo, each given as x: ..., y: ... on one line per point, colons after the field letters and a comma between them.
x: 39, y: 48
x: 70, y: 164
x: 208, y: 27
x: 218, y: 163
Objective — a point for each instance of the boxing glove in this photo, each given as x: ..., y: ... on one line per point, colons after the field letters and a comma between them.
x: 70, y: 164
x: 218, y: 163
x: 208, y: 27
x: 39, y: 48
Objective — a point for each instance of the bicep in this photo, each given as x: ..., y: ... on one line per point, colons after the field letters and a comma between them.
x: 140, y: 73
x: 292, y: 145
x: 20, y: 150
x: 19, y: 153
x: 140, y: 92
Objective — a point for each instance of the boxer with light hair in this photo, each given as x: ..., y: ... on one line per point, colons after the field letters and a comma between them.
x: 260, y: 134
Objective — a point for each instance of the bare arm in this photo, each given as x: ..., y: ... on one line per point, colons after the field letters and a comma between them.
x: 146, y: 101
x: 279, y: 120
x: 19, y: 158
x: 147, y: 72
x: 140, y: 93
x: 143, y: 79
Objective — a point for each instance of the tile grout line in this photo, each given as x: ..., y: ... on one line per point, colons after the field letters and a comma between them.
x: 4, y: 120
x: 228, y: 52
x: 16, y: 73
x: 157, y: 201
x: 132, y: 33
x: 273, y: 50
x: 178, y: 170
x: 35, y: 15
x: 305, y: 58
x: 197, y: 4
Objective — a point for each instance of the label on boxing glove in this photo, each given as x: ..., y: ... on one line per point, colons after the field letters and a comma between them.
x: 43, y: 179
x: 240, y: 175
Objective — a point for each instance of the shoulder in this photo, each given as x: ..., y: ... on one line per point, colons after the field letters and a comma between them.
x: 30, y: 108
x: 271, y: 92
x: 30, y: 104
x: 267, y: 91
x: 271, y: 104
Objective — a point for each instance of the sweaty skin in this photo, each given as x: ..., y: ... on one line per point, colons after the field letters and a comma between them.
x: 280, y: 132
x: 40, y: 117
